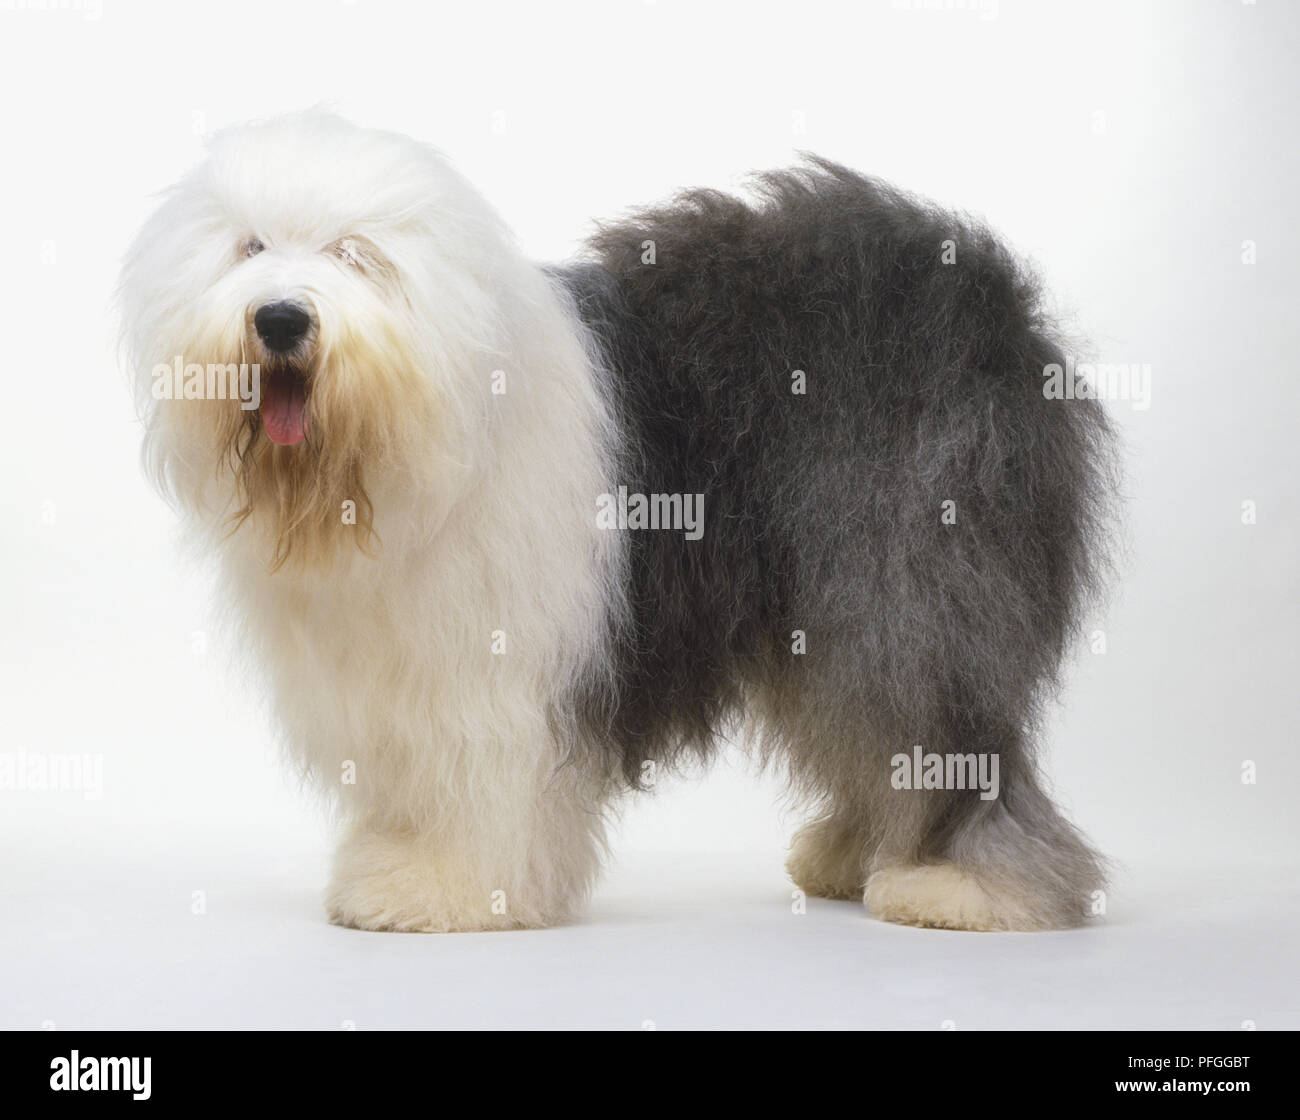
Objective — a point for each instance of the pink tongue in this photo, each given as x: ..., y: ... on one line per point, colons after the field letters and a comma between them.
x: 284, y: 411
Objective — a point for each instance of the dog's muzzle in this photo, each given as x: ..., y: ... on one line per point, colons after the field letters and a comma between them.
x: 282, y: 327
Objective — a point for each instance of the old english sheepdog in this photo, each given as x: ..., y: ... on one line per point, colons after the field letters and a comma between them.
x: 504, y: 540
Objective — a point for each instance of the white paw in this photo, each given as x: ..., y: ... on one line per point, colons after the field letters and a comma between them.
x: 944, y: 897
x: 395, y: 884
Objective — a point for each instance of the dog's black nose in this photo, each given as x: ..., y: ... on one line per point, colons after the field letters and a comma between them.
x: 281, y: 325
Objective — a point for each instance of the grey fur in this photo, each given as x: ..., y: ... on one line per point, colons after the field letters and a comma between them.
x: 824, y: 515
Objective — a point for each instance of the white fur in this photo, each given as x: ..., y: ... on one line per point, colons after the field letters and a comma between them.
x: 460, y: 816
x: 943, y: 896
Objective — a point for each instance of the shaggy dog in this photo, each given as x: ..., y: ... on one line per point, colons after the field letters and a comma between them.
x: 503, y: 539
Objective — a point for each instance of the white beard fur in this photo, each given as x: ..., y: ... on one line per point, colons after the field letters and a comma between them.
x: 383, y: 668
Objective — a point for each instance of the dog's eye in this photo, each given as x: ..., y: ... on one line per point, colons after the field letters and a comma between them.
x: 364, y: 256
x: 252, y: 247
x: 347, y: 250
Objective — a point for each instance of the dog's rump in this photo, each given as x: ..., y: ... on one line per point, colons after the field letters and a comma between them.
x: 853, y: 379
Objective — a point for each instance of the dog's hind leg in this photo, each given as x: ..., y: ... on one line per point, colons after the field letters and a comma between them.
x: 827, y: 857
x: 808, y: 715
x: 936, y: 625
x: 994, y: 855
x: 998, y: 858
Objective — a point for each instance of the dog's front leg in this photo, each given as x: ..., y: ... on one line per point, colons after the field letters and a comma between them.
x: 505, y: 850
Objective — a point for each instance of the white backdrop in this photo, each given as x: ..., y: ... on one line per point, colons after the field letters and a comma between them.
x: 1144, y: 155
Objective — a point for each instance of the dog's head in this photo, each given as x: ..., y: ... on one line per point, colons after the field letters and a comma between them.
x: 304, y: 316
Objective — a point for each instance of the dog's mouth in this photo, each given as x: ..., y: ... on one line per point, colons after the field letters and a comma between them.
x: 284, y: 406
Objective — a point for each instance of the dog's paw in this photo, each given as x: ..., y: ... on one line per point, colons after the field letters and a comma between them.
x: 942, y: 896
x: 395, y: 885
x: 374, y: 907
x: 823, y: 865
